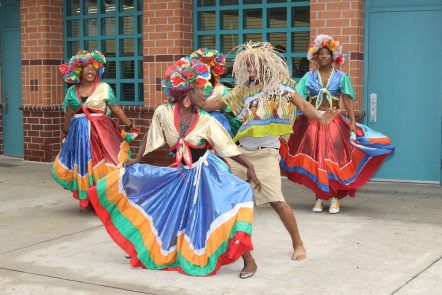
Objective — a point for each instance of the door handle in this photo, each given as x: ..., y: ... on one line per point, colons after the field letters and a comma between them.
x: 373, y: 107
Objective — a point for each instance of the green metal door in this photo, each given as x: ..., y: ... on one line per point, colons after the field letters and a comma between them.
x: 11, y: 78
x: 403, y: 85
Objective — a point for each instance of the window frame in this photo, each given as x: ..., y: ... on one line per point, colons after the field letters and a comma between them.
x: 289, y: 55
x: 136, y: 36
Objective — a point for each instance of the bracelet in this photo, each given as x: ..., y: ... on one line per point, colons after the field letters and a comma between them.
x: 130, y: 126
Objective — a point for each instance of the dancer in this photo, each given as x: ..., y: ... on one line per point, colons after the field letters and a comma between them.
x: 264, y: 100
x: 94, y: 145
x: 216, y: 62
x: 194, y: 217
x: 332, y: 160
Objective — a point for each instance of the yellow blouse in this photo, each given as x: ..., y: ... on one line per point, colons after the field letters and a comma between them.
x: 164, y: 129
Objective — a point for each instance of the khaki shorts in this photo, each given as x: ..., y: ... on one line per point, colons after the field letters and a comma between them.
x: 266, y: 163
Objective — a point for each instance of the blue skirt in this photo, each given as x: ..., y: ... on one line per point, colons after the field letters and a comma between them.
x: 193, y: 220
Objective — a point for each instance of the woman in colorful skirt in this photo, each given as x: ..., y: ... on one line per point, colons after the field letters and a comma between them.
x: 94, y: 145
x: 216, y: 62
x: 196, y: 216
x: 336, y: 159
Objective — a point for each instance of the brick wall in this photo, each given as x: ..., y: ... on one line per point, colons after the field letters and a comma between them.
x: 167, y: 36
x: 42, y: 51
x: 343, y: 20
x: 42, y: 88
x: 41, y: 128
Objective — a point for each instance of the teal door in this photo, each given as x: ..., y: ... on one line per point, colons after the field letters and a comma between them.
x: 11, y: 78
x: 403, y: 86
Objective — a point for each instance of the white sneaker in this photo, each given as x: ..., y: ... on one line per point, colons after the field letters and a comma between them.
x: 318, y: 206
x: 334, y: 206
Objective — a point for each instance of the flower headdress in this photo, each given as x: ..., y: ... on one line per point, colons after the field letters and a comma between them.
x: 326, y: 41
x: 214, y: 59
x: 269, y: 65
x: 71, y: 71
x: 184, y: 75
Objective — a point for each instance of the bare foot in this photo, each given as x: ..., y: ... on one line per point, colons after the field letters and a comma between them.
x: 299, y: 253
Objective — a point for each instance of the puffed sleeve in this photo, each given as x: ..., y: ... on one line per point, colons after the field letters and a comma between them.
x: 347, y: 87
x: 155, y: 136
x: 68, y: 98
x: 218, y: 137
x: 302, y: 86
x: 111, y: 99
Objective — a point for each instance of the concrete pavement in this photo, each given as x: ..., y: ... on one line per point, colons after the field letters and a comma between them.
x: 388, y: 240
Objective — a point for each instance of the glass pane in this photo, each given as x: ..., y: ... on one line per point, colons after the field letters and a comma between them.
x: 300, y: 16
x: 73, y: 47
x: 127, y: 92
x: 229, y: 19
x: 228, y: 42
x: 253, y: 37
x: 110, y: 70
x: 300, y: 66
x: 73, y: 7
x: 91, y: 6
x: 108, y: 47
x: 298, y: 0
x: 206, y: 20
x: 276, y: 1
x: 277, y: 17
x: 73, y: 28
x: 252, y: 1
x: 278, y: 39
x: 140, y: 5
x: 253, y: 19
x: 300, y: 41
x: 202, y: 3
x: 127, y: 69
x: 140, y: 69
x: 140, y: 92
x: 127, y: 25
x: 91, y: 45
x: 90, y: 27
x: 109, y: 6
x: 127, y: 47
x: 128, y: 5
x: 206, y: 41
x: 228, y: 2
x: 108, y: 26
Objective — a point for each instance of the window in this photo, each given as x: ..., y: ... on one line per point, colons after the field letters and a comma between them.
x: 115, y: 28
x: 225, y: 24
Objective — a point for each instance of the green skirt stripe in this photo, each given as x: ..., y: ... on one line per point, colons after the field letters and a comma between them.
x: 132, y: 234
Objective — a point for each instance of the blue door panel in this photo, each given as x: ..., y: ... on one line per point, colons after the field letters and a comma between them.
x: 11, y: 78
x: 404, y: 70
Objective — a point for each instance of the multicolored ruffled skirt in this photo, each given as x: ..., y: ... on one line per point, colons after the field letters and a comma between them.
x: 92, y: 149
x: 327, y: 160
x: 192, y: 220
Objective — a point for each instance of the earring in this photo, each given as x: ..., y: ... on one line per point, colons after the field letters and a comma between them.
x: 186, y: 102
